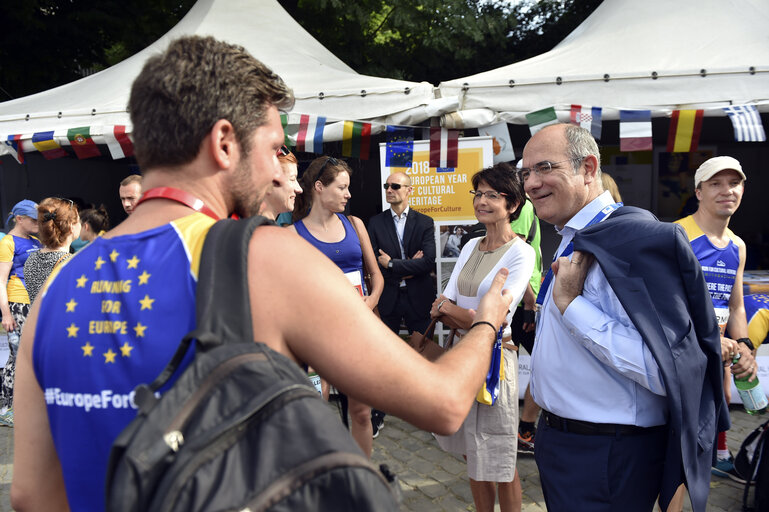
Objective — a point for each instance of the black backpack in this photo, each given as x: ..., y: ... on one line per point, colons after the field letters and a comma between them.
x: 752, y: 463
x: 242, y: 428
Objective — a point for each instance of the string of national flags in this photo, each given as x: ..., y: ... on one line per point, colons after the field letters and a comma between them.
x: 635, y: 135
x: 83, y: 140
x: 635, y: 126
x: 356, y: 141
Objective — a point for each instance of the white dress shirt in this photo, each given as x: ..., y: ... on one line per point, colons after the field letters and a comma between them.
x: 590, y: 363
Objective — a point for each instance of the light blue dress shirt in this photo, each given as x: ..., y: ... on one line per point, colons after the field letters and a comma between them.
x: 400, y: 228
x: 590, y: 363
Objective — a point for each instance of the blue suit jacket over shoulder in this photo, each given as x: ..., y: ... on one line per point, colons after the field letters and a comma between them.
x: 654, y: 273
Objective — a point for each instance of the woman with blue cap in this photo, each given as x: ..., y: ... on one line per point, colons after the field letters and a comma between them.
x: 15, y: 248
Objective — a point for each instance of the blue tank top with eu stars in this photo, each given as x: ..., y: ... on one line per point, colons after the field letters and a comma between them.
x: 111, y: 319
x: 718, y: 264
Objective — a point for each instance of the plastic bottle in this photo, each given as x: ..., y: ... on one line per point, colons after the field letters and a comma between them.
x: 751, y: 393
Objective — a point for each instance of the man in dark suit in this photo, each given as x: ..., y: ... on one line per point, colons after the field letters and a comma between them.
x: 404, y: 242
x: 627, y: 362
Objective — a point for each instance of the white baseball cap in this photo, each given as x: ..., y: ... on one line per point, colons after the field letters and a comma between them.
x: 713, y: 166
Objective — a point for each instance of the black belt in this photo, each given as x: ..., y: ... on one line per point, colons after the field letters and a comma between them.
x: 587, y: 428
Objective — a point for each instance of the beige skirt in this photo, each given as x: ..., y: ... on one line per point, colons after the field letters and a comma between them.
x: 489, y: 435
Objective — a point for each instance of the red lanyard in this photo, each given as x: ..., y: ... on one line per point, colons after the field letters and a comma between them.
x: 180, y: 196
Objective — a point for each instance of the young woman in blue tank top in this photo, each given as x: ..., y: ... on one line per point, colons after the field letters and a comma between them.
x: 319, y: 219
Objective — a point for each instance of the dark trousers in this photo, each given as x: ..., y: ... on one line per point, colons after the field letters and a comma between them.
x: 414, y: 322
x: 404, y: 311
x: 600, y: 473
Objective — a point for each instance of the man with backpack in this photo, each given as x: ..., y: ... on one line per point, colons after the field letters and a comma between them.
x: 206, y: 133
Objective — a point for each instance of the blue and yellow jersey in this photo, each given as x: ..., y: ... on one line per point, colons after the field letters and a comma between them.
x: 110, y: 319
x: 757, y: 313
x: 16, y: 250
x: 719, y: 266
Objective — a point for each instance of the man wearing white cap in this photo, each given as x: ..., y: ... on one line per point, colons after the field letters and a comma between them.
x: 719, y: 184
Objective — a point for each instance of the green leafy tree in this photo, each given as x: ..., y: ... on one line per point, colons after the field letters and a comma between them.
x: 47, y: 43
x: 436, y: 40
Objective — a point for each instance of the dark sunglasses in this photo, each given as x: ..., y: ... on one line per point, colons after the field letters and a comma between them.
x: 283, y: 151
x: 395, y: 186
x: 330, y: 160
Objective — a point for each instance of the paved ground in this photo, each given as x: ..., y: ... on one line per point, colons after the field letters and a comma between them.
x: 433, y: 480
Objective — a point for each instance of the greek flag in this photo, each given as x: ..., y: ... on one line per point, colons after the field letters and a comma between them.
x: 747, y: 123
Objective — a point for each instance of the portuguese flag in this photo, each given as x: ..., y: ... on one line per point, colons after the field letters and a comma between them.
x: 81, y: 141
x: 356, y: 139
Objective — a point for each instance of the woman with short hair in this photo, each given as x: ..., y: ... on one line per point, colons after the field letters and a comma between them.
x: 488, y: 438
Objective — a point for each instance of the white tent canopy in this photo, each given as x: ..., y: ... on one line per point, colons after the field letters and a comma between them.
x: 323, y: 84
x: 704, y: 54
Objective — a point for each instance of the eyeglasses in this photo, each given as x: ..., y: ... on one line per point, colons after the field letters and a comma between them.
x: 542, y: 168
x: 283, y: 151
x: 490, y: 194
x: 71, y: 203
x: 394, y: 186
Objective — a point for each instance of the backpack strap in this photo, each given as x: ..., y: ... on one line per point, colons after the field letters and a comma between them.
x: 222, y: 304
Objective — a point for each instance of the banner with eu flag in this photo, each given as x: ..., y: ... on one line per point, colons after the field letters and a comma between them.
x: 400, y: 146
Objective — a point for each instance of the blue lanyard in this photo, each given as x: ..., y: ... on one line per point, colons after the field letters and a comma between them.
x: 570, y: 249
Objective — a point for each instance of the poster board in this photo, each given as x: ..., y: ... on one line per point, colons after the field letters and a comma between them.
x: 444, y: 196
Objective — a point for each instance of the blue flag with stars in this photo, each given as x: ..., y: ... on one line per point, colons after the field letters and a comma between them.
x: 400, y: 146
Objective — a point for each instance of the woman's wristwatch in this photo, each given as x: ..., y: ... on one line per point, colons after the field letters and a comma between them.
x: 747, y: 343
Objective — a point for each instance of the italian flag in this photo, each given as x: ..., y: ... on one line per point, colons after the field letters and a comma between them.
x: 541, y: 118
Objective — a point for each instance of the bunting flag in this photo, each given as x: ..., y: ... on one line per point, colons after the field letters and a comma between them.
x: 356, y: 139
x: 747, y: 123
x: 501, y: 144
x: 399, y: 151
x: 684, y: 134
x: 82, y: 143
x: 541, y: 118
x: 284, y: 123
x: 14, y: 143
x: 588, y: 118
x: 444, y: 148
x: 118, y: 142
x: 310, y: 135
x: 635, y: 130
x: 47, y: 145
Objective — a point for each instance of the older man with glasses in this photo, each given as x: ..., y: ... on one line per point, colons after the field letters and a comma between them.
x: 627, y: 360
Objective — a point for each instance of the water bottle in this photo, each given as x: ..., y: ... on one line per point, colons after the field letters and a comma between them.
x: 13, y: 342
x: 751, y: 393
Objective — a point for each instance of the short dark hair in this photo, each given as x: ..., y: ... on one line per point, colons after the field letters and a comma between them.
x: 502, y: 178
x: 180, y: 94
x: 96, y: 218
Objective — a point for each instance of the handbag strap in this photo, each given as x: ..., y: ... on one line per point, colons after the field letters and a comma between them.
x: 427, y: 335
x: 430, y: 332
x: 222, y: 304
